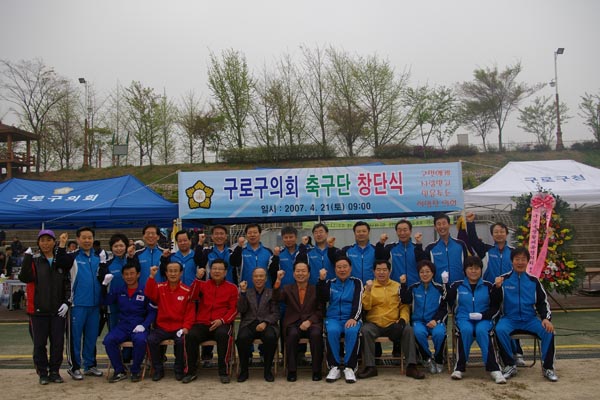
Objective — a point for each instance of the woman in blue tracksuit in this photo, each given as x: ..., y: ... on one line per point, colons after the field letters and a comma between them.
x: 344, y: 294
x: 118, y: 246
x: 474, y: 309
x: 429, y: 313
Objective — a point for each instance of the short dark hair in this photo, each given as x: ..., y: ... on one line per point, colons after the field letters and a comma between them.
x: 520, y: 251
x: 403, y: 221
x: 342, y: 257
x: 84, y: 229
x: 361, y: 223
x: 320, y: 225
x: 145, y: 228
x: 289, y: 230
x: 118, y: 237
x: 472, y: 261
x: 500, y: 224
x: 96, y: 243
x: 386, y: 262
x: 426, y: 263
x: 253, y: 225
x: 183, y: 232
x: 219, y: 261
x: 176, y: 262
x: 212, y: 230
x: 440, y: 216
x: 129, y: 265
x: 301, y: 260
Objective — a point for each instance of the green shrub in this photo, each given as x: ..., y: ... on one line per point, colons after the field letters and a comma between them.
x: 269, y: 154
x: 462, y: 150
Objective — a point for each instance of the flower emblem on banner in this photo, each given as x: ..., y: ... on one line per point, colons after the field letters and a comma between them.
x: 199, y: 195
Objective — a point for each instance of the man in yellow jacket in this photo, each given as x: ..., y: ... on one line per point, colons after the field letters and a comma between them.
x: 386, y: 316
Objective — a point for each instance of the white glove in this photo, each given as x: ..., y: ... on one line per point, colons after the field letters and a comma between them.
x: 103, y: 257
x: 139, y: 329
x: 29, y: 251
x: 179, y: 333
x: 475, y: 316
x: 107, y: 279
x: 445, y: 277
x: 62, y: 310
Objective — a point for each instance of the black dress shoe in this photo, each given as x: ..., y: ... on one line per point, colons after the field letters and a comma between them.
x: 158, y: 375
x: 243, y: 376
x: 317, y: 376
x: 367, y: 372
x: 224, y: 378
x: 269, y: 377
x: 292, y: 377
x: 188, y: 378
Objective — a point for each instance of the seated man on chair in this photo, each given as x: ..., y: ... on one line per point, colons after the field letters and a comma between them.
x: 303, y: 318
x: 173, y: 320
x: 136, y: 314
x: 259, y: 316
x: 217, y: 309
x: 342, y: 317
x: 524, y: 299
x: 386, y: 316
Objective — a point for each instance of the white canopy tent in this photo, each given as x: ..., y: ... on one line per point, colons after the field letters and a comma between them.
x: 576, y: 183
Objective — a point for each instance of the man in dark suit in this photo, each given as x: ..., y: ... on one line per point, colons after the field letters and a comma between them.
x: 303, y: 318
x: 259, y: 316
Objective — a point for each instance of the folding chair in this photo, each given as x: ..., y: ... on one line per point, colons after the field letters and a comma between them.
x: 129, y: 344
x: 232, y: 359
x: 523, y: 335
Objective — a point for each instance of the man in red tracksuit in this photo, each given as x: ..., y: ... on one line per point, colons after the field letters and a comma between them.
x: 217, y: 309
x: 174, y: 318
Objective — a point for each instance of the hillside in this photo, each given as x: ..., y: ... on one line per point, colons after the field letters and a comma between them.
x: 476, y: 169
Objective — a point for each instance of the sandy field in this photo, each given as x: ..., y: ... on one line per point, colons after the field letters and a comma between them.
x: 578, y: 380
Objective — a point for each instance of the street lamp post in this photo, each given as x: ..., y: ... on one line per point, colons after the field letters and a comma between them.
x: 559, y: 140
x: 86, y: 125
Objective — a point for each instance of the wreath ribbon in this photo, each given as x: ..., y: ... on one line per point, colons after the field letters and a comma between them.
x: 540, y: 203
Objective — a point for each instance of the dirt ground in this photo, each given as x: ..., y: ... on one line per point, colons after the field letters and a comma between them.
x: 578, y: 380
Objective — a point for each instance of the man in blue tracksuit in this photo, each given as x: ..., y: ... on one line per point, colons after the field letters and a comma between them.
x: 524, y: 299
x: 404, y: 254
x: 344, y: 294
x: 136, y: 314
x: 184, y: 256
x: 85, y: 311
x: 322, y: 255
x: 150, y: 255
x: 475, y: 306
x: 447, y: 253
x: 218, y: 251
x: 246, y: 258
x: 361, y: 253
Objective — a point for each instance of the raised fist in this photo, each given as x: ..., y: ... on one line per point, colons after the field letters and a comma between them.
x: 243, y: 286
x: 241, y: 241
x: 368, y: 285
x: 305, y: 240
x: 276, y: 251
x: 280, y: 274
x: 403, y: 278
x: 498, y: 282
x: 383, y: 238
x: 131, y: 251
x: 330, y: 241
x: 470, y: 216
x: 200, y: 273
x: 418, y: 237
x: 166, y: 253
x: 322, y: 274
x: 62, y: 239
x: 153, y: 271
x: 445, y: 277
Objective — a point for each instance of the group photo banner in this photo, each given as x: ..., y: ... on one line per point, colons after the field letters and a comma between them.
x: 326, y: 193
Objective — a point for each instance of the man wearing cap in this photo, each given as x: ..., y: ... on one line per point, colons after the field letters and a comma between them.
x: 48, y: 291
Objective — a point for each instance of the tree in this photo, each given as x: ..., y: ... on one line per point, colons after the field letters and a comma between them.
x: 142, y: 110
x: 381, y: 94
x: 350, y: 120
x: 315, y: 87
x: 291, y: 110
x: 539, y: 118
x: 186, y: 118
x: 496, y: 92
x: 34, y: 89
x: 589, y: 110
x: 477, y: 120
x: 262, y: 110
x: 166, y: 115
x: 231, y: 85
x: 116, y: 121
x: 65, y: 128
x: 208, y: 125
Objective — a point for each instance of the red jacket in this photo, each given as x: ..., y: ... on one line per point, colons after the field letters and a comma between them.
x: 215, y: 302
x: 175, y: 311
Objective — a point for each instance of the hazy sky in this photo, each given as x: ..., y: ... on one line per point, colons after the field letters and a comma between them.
x: 165, y: 44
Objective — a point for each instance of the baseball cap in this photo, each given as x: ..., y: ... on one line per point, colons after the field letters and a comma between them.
x: 46, y: 232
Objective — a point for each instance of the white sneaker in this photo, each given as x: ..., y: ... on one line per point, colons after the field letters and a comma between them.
x: 498, y: 377
x: 349, y: 375
x: 550, y: 375
x: 509, y: 371
x: 519, y: 361
x: 439, y: 368
x: 333, y: 375
x: 456, y: 375
x: 430, y: 365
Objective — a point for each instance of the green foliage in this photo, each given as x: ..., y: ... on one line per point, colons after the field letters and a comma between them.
x: 393, y: 151
x: 590, y: 111
x: 561, y: 274
x: 270, y: 153
x: 462, y: 150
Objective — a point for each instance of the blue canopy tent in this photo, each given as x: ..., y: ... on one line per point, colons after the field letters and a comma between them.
x: 123, y: 202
